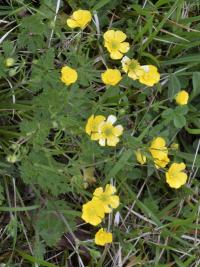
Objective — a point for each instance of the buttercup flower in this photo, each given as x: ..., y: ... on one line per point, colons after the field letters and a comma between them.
x: 107, y: 133
x: 159, y: 152
x: 182, y: 98
x: 150, y: 75
x: 132, y: 68
x: 92, y: 212
x: 114, y: 42
x: 102, y: 237
x: 111, y: 77
x: 140, y: 157
x: 107, y: 199
x: 68, y: 75
x: 79, y: 19
x: 175, y: 176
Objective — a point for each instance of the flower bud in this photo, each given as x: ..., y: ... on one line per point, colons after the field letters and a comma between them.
x: 9, y: 62
x: 12, y: 158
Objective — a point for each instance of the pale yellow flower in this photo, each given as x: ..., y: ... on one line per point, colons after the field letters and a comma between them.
x: 79, y: 19
x: 68, y: 75
x: 159, y: 152
x: 102, y: 237
x: 140, y: 157
x: 182, y: 98
x: 92, y: 212
x: 111, y: 77
x: 114, y: 42
x: 107, y: 133
x: 107, y: 199
x: 150, y: 75
x: 132, y: 68
x: 175, y: 176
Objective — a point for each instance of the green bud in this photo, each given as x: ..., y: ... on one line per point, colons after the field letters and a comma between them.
x: 55, y: 124
x: 9, y: 62
x: 12, y: 158
x: 122, y: 111
x: 12, y: 72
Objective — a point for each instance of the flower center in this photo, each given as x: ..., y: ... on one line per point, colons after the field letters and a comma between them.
x: 114, y: 44
x: 104, y: 197
x: 133, y: 65
x: 108, y: 131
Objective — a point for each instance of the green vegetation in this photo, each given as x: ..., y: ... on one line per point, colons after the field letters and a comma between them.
x: 50, y: 167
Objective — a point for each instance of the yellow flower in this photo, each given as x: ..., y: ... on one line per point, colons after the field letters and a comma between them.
x: 9, y: 62
x: 140, y: 157
x: 150, y: 75
x: 182, y: 98
x: 159, y: 152
x: 175, y: 176
x: 132, y: 67
x: 92, y: 212
x: 107, y: 199
x: 114, y: 42
x: 111, y: 77
x: 92, y: 126
x: 102, y: 237
x: 79, y: 19
x: 68, y: 75
x: 107, y: 133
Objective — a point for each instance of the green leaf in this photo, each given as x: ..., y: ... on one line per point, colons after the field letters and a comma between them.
x: 174, y: 86
x: 196, y: 85
x: 181, y: 110
x: 1, y: 195
x: 49, y: 225
x: 179, y: 121
x: 192, y: 131
x: 35, y: 260
x: 120, y: 163
x: 100, y: 4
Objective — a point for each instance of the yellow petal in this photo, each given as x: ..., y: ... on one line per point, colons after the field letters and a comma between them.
x: 177, y: 167
x: 110, y: 189
x: 118, y: 130
x: 109, y: 35
x: 111, y: 119
x: 72, y: 23
x: 92, y: 213
x: 102, y: 142
x: 102, y: 237
x: 68, y: 75
x: 116, y: 55
x: 98, y: 191
x: 112, y: 141
x: 124, y: 47
x: 114, y: 202
x: 140, y: 157
x: 96, y: 136
x: 89, y: 124
x: 111, y: 77
x: 182, y: 98
x: 178, y: 181
x: 120, y: 36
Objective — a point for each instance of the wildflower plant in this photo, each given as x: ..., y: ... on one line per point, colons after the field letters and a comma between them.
x: 99, y: 136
